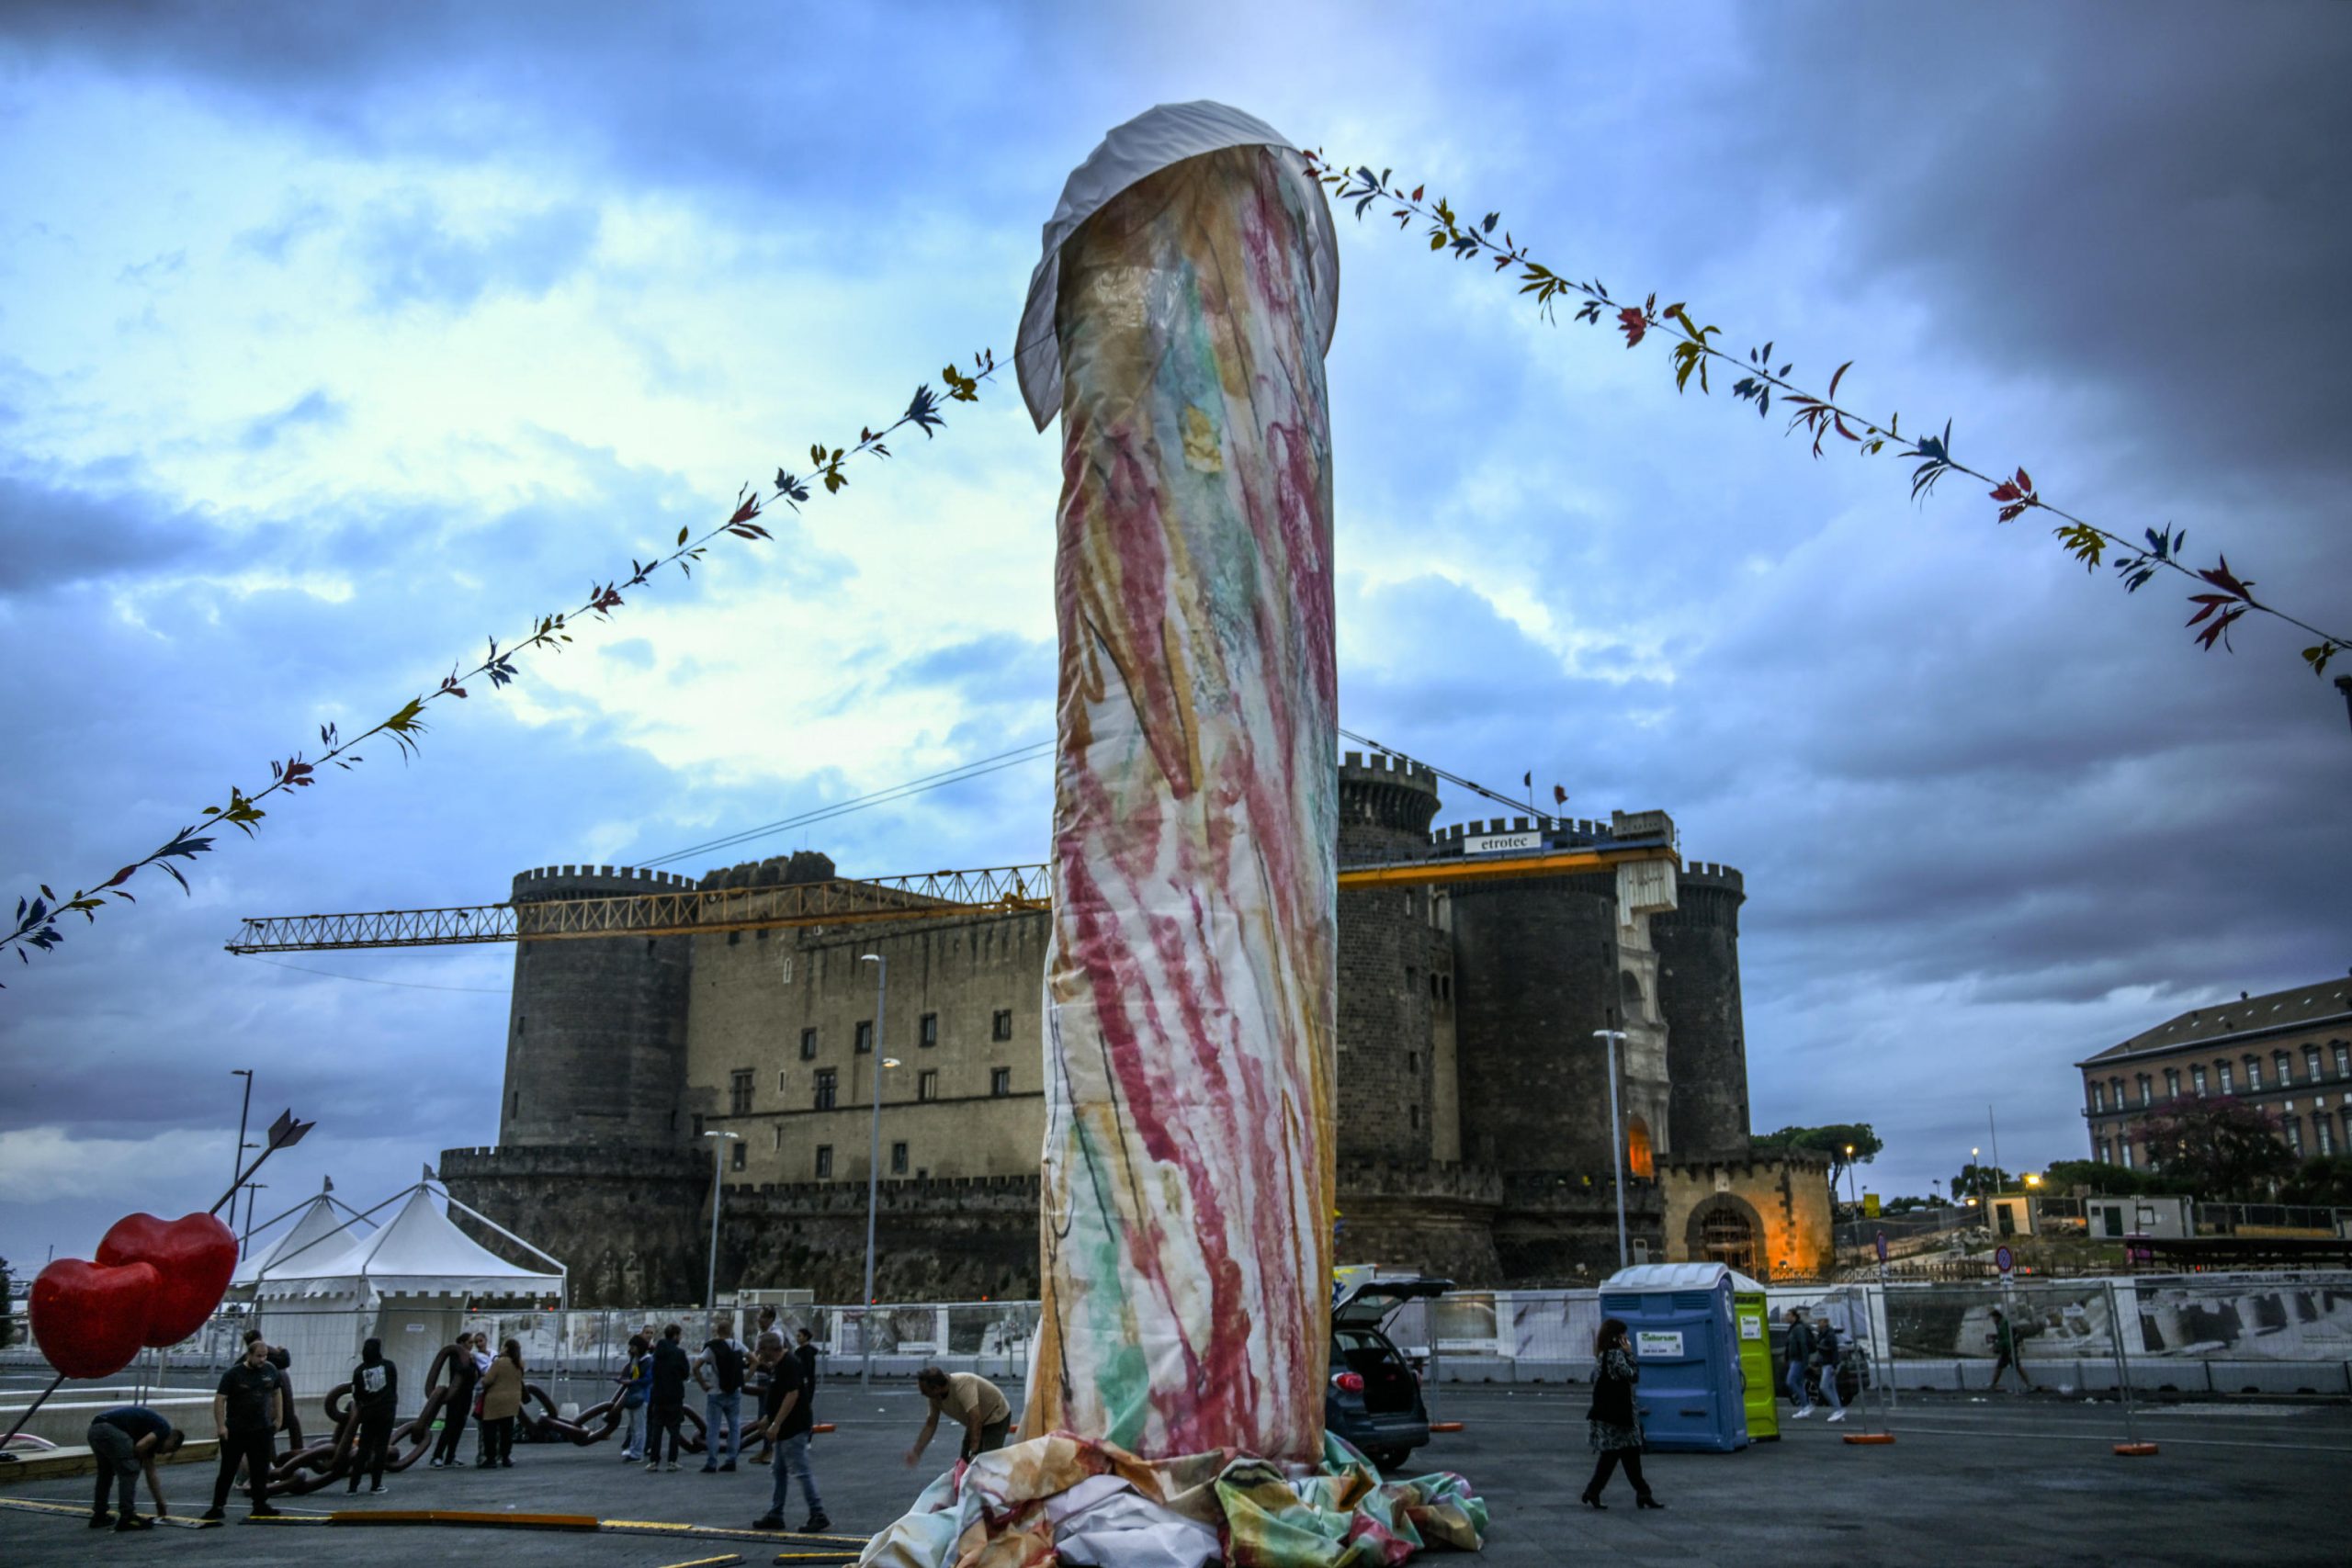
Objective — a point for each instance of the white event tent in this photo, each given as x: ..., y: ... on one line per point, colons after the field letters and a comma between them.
x: 409, y: 1284
x: 321, y: 1219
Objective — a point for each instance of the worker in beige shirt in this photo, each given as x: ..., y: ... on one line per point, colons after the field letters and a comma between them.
x: 971, y: 1402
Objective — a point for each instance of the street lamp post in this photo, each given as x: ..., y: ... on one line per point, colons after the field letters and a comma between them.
x: 1616, y: 1137
x: 873, y: 1171
x: 717, y: 1170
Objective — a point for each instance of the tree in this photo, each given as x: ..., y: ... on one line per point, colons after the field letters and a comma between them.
x: 2105, y: 1180
x: 2323, y: 1181
x: 1978, y: 1181
x: 1833, y: 1141
x: 2223, y: 1149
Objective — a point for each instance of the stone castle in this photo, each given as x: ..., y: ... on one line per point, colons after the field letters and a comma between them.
x: 1472, y: 1119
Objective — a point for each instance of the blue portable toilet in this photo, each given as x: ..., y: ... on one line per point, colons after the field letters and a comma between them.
x: 1679, y: 1318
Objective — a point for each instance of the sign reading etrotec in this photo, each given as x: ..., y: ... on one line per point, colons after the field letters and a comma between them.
x: 1488, y: 843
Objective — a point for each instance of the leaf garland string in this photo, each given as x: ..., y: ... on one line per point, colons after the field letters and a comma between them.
x: 37, y: 915
x: 2225, y: 596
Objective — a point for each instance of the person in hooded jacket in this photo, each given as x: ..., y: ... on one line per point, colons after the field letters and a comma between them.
x: 462, y: 1378
x: 375, y: 1400
x: 1616, y: 1425
x: 636, y: 1379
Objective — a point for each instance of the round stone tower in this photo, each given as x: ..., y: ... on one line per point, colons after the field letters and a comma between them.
x: 1538, y: 966
x: 1396, y: 975
x: 596, y: 1029
x: 1706, y: 1052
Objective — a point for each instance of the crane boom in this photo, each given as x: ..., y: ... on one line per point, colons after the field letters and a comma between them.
x: 690, y: 911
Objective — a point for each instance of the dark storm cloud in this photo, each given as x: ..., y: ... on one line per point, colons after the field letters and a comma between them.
x: 54, y: 534
x: 2151, y: 200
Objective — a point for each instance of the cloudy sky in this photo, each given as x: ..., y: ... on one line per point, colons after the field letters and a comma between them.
x: 336, y: 339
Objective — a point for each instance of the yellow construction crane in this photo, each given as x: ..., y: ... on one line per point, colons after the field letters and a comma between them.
x: 689, y: 911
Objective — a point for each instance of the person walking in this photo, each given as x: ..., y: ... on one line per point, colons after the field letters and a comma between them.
x: 767, y: 1326
x: 375, y: 1400
x: 502, y: 1402
x: 459, y: 1400
x: 2005, y: 1351
x: 785, y: 1422
x: 665, y: 1398
x: 721, y: 1370
x: 1827, y: 1345
x: 124, y: 1442
x: 972, y: 1402
x: 247, y: 1410
x: 1800, y: 1357
x: 636, y: 1376
x: 1613, y: 1421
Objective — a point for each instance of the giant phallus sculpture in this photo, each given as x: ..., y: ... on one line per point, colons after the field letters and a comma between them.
x: 1177, y: 325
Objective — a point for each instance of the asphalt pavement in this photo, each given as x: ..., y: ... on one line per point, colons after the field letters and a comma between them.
x: 2014, y: 1480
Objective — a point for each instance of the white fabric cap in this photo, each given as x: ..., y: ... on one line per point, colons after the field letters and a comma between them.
x: 1136, y: 151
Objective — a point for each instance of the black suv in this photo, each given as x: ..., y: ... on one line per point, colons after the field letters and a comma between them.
x: 1374, y: 1399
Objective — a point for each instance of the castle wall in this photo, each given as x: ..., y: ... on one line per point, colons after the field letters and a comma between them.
x: 1437, y: 1219
x: 980, y: 982
x: 1698, y: 948
x: 934, y: 1240
x: 628, y: 1223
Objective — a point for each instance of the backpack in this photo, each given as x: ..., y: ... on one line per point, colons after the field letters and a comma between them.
x: 726, y: 1360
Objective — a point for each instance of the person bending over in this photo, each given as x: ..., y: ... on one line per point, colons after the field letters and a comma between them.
x: 972, y: 1403
x: 125, y: 1440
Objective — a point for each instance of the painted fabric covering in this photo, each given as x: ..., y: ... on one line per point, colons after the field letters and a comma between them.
x: 1064, y: 1499
x: 1187, y: 1176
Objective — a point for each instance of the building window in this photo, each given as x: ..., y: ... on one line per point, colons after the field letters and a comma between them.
x: 2143, y: 1090
x: 927, y: 1032
x: 2099, y: 1098
x: 2197, y: 1077
x: 897, y: 1159
x: 2115, y: 1090
x: 2172, y: 1083
x: 734, y: 937
x: 2324, y: 1129
x: 824, y: 1162
x: 2342, y: 1060
x: 1001, y: 1028
x: 1445, y: 987
x: 2285, y: 1066
x: 1413, y: 1062
x: 1412, y: 978
x: 2229, y: 1078
x: 778, y: 1130
x: 2253, y: 1072
x: 514, y: 1104
x: 2311, y: 1064
x: 736, y: 1149
x: 2098, y: 1151
x: 927, y: 1084
x: 1413, y: 1115
x: 808, y: 1044
x: 825, y: 1089
x: 1433, y: 993
x: 865, y: 1042
x: 2128, y: 1163
x: 999, y: 1081
x: 2295, y: 1134
x: 739, y: 1093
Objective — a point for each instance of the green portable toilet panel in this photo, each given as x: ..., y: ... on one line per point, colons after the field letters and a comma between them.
x: 1685, y: 1336
x: 1753, y: 1314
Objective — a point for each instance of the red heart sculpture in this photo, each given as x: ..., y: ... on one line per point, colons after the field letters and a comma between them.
x: 89, y: 1319
x: 194, y: 1254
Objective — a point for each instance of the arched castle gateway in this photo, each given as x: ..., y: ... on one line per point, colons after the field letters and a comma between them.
x: 1473, y: 1107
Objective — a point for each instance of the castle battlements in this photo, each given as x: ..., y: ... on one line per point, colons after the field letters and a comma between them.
x: 619, y: 874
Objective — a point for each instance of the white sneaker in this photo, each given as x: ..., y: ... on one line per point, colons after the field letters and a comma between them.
x: 652, y: 1465
x: 1800, y: 1415
x: 1836, y: 1415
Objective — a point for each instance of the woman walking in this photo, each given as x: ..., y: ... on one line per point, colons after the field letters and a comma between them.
x: 375, y: 1396
x: 634, y: 1379
x: 1616, y: 1425
x: 502, y: 1402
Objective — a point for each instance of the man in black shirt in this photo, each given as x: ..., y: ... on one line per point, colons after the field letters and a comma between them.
x: 784, y: 1421
x: 124, y: 1440
x: 247, y: 1410
x: 665, y: 1399
x: 283, y: 1360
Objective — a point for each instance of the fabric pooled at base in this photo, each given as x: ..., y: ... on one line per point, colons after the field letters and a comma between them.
x: 1063, y: 1499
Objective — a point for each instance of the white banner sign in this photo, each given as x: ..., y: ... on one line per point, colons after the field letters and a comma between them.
x: 1658, y: 1342
x: 1488, y: 843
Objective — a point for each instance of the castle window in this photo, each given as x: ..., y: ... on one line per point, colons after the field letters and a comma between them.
x: 778, y: 1130
x: 927, y: 1084
x: 1445, y: 987
x: 735, y: 1151
x: 897, y: 1159
x: 698, y: 1123
x: 999, y: 1081
x: 1412, y: 978
x: 760, y: 936
x: 927, y: 1032
x: 824, y: 1162
x: 734, y: 937
x: 1412, y: 1061
x: 1413, y: 1115
x: 1002, y: 1028
x: 864, y: 1042
x: 514, y: 1104
x: 808, y: 1044
x: 825, y: 1089
x: 739, y: 1093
